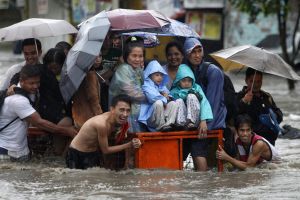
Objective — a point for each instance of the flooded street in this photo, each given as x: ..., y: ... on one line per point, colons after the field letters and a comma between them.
x: 49, y: 179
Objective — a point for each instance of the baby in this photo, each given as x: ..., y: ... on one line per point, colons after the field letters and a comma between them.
x: 193, y: 107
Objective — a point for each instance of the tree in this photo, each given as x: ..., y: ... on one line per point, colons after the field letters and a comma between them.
x: 280, y: 8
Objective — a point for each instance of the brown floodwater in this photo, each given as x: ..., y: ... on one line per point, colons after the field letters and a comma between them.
x: 48, y: 178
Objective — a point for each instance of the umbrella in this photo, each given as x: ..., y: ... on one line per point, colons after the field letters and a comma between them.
x: 175, y: 28
x: 127, y: 19
x: 83, y: 54
x: 150, y: 39
x: 256, y: 58
x: 178, y: 28
x: 36, y: 27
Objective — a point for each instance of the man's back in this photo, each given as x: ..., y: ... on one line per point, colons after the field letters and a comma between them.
x: 213, y: 90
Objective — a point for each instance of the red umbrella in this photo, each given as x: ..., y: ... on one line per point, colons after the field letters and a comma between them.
x: 126, y: 19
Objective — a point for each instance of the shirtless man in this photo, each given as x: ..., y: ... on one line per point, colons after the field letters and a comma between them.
x: 252, y: 148
x: 94, y: 136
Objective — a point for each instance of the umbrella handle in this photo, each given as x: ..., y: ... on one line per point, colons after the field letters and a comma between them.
x: 252, y: 85
x: 253, y: 81
x: 103, y: 80
x: 37, y: 53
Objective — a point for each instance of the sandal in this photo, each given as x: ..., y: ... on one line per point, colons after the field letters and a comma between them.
x: 191, y: 126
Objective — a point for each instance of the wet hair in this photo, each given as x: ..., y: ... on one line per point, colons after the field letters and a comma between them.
x: 174, y: 44
x: 115, y: 36
x: 54, y: 55
x: 32, y: 41
x: 130, y: 43
x: 29, y: 71
x: 123, y: 98
x: 242, y: 119
x: 250, y: 72
x: 63, y: 46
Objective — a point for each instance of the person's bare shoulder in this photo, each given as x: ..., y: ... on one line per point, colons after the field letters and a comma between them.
x: 259, y: 147
x: 98, y: 122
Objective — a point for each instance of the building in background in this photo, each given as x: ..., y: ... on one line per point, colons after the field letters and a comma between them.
x: 73, y: 11
x: 218, y: 24
x: 207, y: 18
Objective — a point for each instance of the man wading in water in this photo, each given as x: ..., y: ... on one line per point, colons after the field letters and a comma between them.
x: 252, y: 148
x: 102, y: 134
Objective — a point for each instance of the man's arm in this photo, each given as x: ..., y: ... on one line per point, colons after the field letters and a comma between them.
x: 36, y: 120
x: 93, y: 92
x: 106, y: 149
x: 252, y: 159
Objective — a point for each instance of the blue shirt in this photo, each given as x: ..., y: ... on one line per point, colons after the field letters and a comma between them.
x: 215, y: 95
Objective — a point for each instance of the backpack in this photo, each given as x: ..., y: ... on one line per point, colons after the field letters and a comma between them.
x: 3, y: 95
x: 230, y: 103
x: 228, y: 88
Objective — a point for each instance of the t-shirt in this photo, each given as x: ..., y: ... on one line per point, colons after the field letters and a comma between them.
x: 14, y: 137
x: 10, y: 73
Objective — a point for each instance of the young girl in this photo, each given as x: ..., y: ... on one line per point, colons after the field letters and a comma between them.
x: 158, y: 113
x: 193, y: 106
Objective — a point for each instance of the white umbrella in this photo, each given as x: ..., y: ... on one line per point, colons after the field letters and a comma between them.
x: 256, y: 58
x: 36, y: 28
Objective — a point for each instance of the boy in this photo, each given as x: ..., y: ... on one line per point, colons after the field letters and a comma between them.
x: 252, y: 148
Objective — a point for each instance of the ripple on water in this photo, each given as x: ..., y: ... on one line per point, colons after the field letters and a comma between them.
x: 47, y: 178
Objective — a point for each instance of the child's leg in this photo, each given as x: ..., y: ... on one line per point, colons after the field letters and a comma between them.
x: 193, y: 109
x: 171, y: 113
x: 181, y: 112
x: 157, y: 119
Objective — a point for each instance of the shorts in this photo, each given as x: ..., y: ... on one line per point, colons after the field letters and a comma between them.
x: 4, y: 156
x: 82, y: 160
x: 197, y: 148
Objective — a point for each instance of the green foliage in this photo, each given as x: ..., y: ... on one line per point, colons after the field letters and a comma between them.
x: 256, y: 7
x: 280, y: 8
